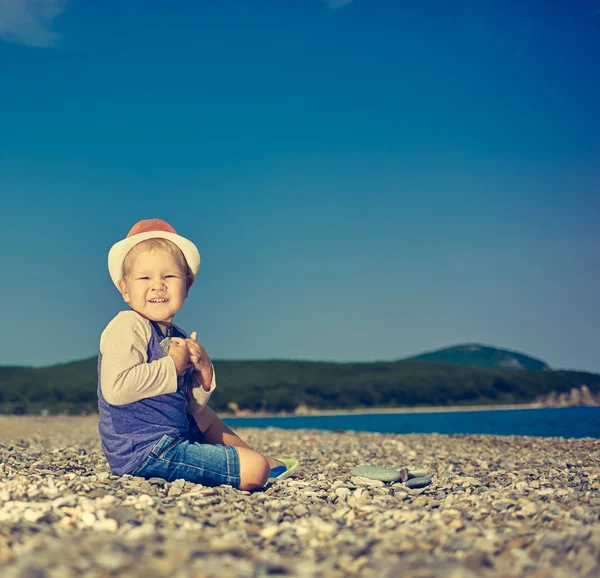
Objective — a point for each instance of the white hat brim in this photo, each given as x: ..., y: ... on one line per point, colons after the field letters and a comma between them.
x: 119, y: 251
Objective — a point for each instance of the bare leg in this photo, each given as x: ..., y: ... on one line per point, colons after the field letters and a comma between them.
x: 254, y: 469
x: 216, y: 432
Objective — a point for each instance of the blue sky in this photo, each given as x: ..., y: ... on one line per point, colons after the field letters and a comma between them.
x: 364, y: 179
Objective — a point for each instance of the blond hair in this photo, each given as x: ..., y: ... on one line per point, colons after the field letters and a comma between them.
x: 153, y: 245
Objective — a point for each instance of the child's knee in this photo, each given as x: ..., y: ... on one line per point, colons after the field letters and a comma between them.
x: 254, y: 469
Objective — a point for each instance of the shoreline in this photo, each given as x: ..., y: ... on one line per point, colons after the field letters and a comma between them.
x: 389, y: 410
x: 247, y: 414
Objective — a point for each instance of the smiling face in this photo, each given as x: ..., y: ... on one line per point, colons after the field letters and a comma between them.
x: 155, y: 283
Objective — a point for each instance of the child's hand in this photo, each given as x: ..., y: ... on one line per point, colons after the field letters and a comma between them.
x: 200, y: 361
x: 198, y: 356
x: 178, y: 350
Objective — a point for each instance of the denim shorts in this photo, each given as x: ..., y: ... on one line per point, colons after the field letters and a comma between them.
x: 175, y: 457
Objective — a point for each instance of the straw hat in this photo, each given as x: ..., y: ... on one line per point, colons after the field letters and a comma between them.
x: 150, y: 229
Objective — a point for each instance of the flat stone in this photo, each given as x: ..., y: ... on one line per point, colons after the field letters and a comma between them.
x: 419, y: 482
x: 362, y: 481
x: 375, y: 473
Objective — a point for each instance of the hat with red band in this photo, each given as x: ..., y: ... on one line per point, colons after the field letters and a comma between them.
x: 150, y: 229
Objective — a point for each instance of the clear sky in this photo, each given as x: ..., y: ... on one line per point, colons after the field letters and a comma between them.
x: 364, y: 179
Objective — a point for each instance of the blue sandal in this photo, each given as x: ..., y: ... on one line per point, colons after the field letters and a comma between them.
x: 287, y: 468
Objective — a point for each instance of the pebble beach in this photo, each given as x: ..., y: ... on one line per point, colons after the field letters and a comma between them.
x: 509, y: 506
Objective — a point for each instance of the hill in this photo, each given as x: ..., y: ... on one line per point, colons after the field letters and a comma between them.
x: 285, y: 385
x: 476, y: 355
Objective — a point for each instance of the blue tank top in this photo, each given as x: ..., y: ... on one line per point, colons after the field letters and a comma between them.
x: 128, y: 432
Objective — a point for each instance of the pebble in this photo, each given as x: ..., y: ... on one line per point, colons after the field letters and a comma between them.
x: 157, y: 481
x: 404, y: 475
x: 493, y: 506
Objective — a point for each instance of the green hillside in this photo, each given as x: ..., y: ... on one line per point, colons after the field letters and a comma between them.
x: 284, y: 385
x: 476, y: 355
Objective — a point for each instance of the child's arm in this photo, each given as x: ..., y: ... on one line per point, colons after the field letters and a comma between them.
x: 126, y: 376
x: 204, y: 379
x: 198, y: 396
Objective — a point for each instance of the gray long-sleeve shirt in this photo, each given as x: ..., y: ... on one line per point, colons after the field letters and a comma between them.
x: 140, y: 396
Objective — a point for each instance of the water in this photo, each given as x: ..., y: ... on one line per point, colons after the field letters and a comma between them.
x: 568, y: 422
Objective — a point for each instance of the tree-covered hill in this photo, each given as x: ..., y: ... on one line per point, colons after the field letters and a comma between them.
x: 285, y: 385
x: 476, y: 355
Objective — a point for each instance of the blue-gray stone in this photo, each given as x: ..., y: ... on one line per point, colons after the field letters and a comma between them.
x: 418, y: 482
x: 375, y: 473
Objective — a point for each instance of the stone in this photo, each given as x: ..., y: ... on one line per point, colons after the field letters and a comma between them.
x: 342, y: 492
x: 174, y: 491
x: 419, y: 482
x: 375, y: 473
x: 301, y: 510
x: 123, y: 515
x: 362, y: 481
x: 157, y: 481
x: 404, y: 475
x: 270, y: 531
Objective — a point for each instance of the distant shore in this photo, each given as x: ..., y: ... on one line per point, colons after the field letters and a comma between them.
x: 376, y: 410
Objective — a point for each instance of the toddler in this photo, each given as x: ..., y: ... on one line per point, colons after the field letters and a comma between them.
x: 154, y: 381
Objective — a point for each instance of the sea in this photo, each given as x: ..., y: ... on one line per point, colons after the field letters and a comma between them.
x: 565, y: 422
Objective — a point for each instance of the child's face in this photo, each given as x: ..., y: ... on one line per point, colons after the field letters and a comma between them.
x: 155, y: 285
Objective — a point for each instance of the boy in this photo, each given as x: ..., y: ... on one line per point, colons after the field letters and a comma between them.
x: 154, y: 381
